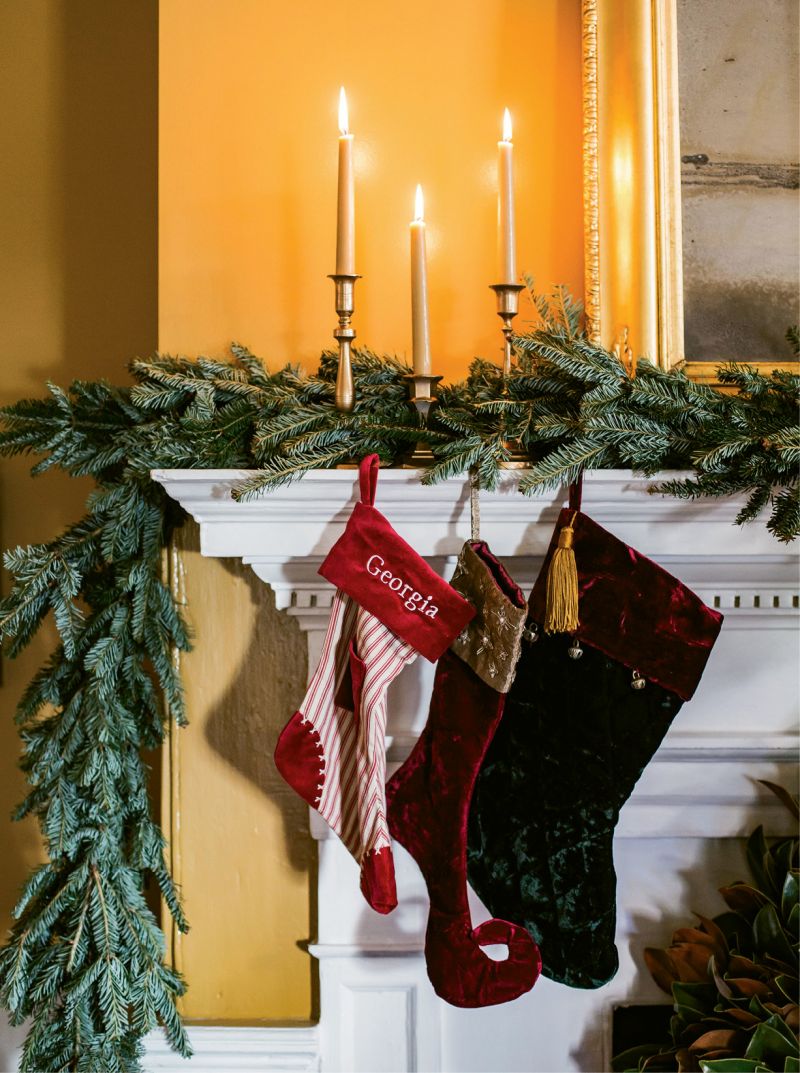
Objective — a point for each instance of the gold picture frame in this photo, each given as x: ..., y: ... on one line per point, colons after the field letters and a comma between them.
x: 632, y: 183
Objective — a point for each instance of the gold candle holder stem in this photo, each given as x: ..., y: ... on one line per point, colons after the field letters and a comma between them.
x: 345, y: 285
x: 420, y: 387
x: 507, y: 295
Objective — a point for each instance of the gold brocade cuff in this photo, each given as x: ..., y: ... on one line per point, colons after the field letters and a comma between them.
x: 490, y: 643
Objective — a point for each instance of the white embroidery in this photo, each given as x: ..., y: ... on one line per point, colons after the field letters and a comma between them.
x: 412, y: 600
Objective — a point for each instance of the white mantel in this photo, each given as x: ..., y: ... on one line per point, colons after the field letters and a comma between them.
x: 678, y: 833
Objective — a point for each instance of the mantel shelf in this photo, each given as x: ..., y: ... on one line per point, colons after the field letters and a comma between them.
x: 303, y: 519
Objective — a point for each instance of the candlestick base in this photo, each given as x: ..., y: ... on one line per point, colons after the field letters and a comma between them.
x: 422, y: 399
x: 518, y: 457
x: 345, y: 284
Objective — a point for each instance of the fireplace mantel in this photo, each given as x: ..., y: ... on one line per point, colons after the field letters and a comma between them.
x: 694, y: 802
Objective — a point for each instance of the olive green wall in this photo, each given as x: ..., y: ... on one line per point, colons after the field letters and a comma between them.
x: 78, y: 273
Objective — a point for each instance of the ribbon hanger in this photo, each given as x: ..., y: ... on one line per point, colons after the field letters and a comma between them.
x: 474, y: 505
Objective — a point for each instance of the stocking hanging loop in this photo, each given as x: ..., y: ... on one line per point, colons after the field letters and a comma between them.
x: 474, y: 505
x: 576, y: 493
x: 368, y: 478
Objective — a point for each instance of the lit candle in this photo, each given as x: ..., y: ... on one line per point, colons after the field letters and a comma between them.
x: 506, y: 240
x: 420, y: 327
x: 345, y: 214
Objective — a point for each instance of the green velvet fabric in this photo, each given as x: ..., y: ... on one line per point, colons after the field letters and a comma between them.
x: 572, y: 743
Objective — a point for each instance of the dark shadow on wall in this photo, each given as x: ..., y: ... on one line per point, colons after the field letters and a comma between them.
x: 78, y: 275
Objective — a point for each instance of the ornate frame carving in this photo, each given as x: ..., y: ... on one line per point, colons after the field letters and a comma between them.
x: 632, y: 176
x: 632, y: 182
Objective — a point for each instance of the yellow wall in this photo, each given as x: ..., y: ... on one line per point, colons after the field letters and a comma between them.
x: 241, y: 848
x: 248, y: 98
x: 78, y: 124
x: 245, y: 96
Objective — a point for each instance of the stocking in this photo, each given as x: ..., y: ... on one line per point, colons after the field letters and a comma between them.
x: 332, y: 751
x: 584, y: 716
x: 428, y: 798
x: 388, y: 606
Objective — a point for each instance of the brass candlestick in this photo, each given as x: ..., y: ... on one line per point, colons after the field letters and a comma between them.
x: 345, y: 284
x: 420, y: 386
x: 507, y: 308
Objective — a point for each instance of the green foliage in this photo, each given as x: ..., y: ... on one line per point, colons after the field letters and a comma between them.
x: 85, y: 957
x: 734, y: 979
x: 85, y: 961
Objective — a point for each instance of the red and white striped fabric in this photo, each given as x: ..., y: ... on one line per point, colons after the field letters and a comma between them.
x: 332, y: 751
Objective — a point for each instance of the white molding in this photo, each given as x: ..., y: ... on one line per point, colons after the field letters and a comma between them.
x: 303, y: 519
x: 235, y: 1049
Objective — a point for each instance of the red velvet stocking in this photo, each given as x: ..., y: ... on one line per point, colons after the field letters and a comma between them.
x: 428, y: 798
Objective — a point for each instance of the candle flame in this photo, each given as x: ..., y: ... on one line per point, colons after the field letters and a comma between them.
x: 506, y: 126
x: 344, y: 124
x: 419, y: 205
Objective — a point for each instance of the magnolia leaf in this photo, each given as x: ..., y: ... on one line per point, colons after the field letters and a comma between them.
x: 690, y: 961
x: 660, y: 967
x: 737, y: 931
x: 747, y: 987
x: 729, y: 1065
x: 742, y: 966
x: 791, y: 1064
x: 630, y: 1059
x: 744, y: 899
x: 719, y: 1037
x: 695, y: 996
x: 784, y: 797
x: 756, y: 848
x: 780, y: 1025
x: 770, y: 1045
x: 718, y: 936
x: 693, y: 935
x: 790, y: 895
x: 793, y: 923
x: 722, y: 986
x: 744, y: 1017
x: 770, y: 937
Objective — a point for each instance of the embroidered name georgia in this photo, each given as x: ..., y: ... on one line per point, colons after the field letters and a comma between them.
x: 412, y: 599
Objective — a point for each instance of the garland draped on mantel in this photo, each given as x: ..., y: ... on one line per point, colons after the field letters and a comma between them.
x: 85, y: 961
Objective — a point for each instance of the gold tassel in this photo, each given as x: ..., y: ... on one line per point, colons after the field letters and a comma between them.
x: 561, y: 615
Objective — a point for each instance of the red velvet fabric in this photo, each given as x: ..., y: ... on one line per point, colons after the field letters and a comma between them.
x: 298, y: 756
x: 428, y: 803
x: 631, y: 609
x: 382, y: 573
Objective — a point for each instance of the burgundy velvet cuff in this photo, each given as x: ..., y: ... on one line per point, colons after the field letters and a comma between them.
x: 632, y: 609
x: 386, y: 577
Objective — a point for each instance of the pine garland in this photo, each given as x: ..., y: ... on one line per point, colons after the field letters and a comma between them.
x: 85, y: 959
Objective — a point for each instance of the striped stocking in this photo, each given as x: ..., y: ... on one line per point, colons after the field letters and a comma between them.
x: 332, y: 751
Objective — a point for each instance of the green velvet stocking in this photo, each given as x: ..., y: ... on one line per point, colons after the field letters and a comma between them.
x: 572, y: 743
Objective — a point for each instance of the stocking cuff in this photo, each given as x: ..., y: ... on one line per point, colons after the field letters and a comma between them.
x: 631, y: 609
x: 384, y: 575
x: 490, y: 643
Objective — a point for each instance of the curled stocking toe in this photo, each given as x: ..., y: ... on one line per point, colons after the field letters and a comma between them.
x: 463, y: 975
x: 428, y: 798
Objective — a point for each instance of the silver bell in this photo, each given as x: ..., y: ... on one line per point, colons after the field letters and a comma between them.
x: 575, y: 651
x: 637, y: 682
x: 531, y: 633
